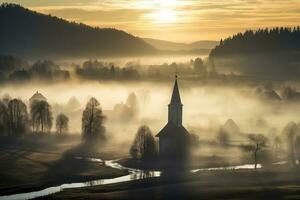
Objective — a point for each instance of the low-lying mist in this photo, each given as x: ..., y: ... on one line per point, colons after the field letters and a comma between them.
x: 205, y: 107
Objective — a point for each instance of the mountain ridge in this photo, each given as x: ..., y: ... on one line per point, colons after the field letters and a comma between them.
x: 178, y: 46
x: 28, y: 33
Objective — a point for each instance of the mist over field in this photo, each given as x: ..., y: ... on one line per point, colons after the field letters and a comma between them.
x: 207, y: 104
x: 165, y: 99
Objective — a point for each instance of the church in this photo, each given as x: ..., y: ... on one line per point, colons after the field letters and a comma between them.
x: 174, y: 139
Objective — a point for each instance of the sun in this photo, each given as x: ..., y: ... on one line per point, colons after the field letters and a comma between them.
x: 165, y: 16
x: 163, y: 11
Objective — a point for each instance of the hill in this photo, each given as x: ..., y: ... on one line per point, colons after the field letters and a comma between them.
x: 30, y: 34
x: 261, y: 41
x: 174, y: 46
x: 272, y: 54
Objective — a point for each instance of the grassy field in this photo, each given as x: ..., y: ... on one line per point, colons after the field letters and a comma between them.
x: 242, y: 184
x: 27, y: 165
x: 37, y: 162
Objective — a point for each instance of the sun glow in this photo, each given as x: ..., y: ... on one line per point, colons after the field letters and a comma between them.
x: 165, y: 11
x: 165, y: 16
x: 167, y: 3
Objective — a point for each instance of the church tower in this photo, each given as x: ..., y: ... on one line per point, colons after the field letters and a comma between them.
x: 173, y: 137
x: 175, y: 107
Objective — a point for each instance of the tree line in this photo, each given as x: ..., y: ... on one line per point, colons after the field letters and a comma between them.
x: 277, y: 39
x: 49, y: 36
x: 13, y: 69
x: 17, y: 121
x: 95, y: 70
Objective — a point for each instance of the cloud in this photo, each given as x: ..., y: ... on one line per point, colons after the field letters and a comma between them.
x: 195, y: 19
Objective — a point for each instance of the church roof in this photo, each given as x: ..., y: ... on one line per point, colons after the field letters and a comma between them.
x: 38, y: 96
x: 172, y: 130
x: 175, y: 95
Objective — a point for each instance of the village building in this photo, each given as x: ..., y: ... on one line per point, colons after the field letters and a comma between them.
x: 174, y: 139
x: 37, y: 97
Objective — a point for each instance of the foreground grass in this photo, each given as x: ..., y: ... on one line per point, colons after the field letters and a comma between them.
x: 241, y: 184
x: 26, y: 166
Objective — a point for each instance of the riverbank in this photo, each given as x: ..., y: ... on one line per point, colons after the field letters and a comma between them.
x: 26, y: 166
x: 276, y: 183
x: 192, y: 163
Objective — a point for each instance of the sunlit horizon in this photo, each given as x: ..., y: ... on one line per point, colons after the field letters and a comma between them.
x: 181, y: 21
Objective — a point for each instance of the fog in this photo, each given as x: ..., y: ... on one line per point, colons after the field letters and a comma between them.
x: 264, y: 106
x: 205, y: 107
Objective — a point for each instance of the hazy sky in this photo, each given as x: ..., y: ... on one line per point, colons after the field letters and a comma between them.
x: 175, y: 20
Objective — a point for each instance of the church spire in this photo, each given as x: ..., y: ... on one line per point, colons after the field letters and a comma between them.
x: 175, y: 95
x: 175, y: 106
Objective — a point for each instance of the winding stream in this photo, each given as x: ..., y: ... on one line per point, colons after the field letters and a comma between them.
x: 134, y: 174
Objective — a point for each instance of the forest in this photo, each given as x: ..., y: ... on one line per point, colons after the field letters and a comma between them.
x: 263, y: 41
x: 34, y: 35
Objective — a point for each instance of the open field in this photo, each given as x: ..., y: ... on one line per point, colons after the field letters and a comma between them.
x: 35, y: 166
x: 241, y: 184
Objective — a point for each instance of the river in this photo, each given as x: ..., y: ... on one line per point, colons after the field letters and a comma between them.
x: 134, y: 174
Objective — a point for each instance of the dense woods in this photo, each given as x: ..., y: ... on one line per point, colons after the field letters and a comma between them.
x: 278, y: 39
x: 31, y: 34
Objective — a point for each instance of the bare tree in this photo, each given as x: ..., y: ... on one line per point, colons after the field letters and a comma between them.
x: 258, y: 142
x: 41, y: 116
x: 62, y: 124
x: 92, y: 121
x: 144, y: 145
x: 17, y: 117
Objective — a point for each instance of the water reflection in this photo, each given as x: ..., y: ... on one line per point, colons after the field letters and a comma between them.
x: 134, y: 174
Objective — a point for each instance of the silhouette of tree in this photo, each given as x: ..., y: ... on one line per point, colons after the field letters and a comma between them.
x: 41, y: 116
x: 258, y: 142
x: 132, y: 103
x: 290, y: 93
x: 262, y: 40
x: 277, y: 143
x: 17, y: 117
x: 223, y: 137
x: 291, y: 132
x: 144, y: 145
x: 62, y: 124
x: 3, y: 118
x: 19, y: 76
x: 92, y: 121
x: 199, y: 66
x: 50, y: 36
x: 96, y: 70
x: 10, y: 63
x: 5, y: 99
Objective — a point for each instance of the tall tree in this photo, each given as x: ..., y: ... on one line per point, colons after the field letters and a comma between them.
x: 17, y: 117
x: 41, y: 116
x: 62, y: 124
x: 144, y: 145
x: 258, y: 141
x: 92, y: 121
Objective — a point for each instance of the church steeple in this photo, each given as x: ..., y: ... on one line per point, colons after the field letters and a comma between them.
x: 175, y: 95
x: 175, y: 106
